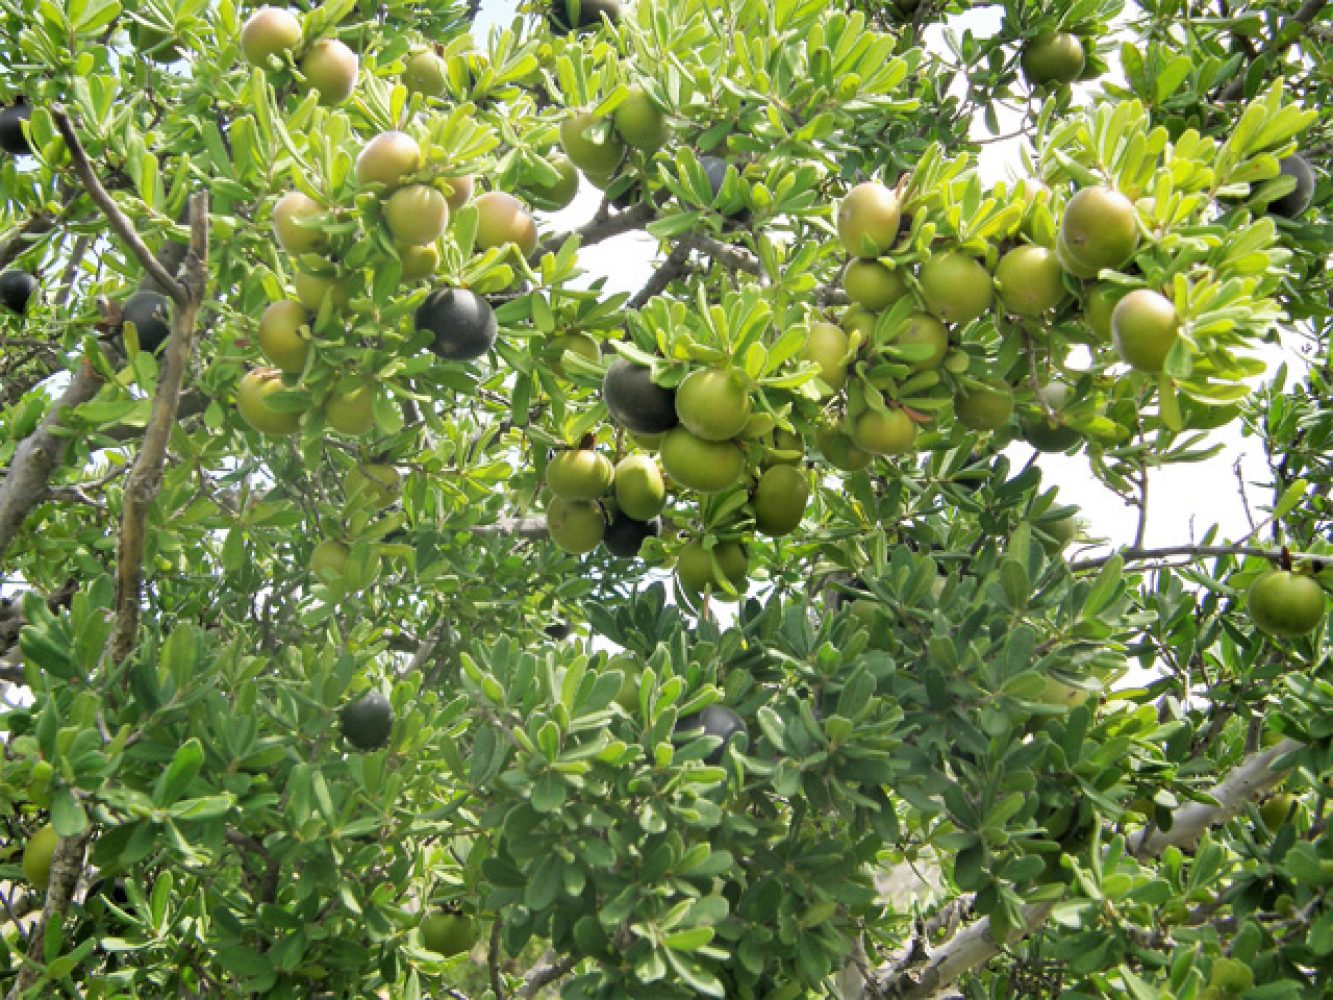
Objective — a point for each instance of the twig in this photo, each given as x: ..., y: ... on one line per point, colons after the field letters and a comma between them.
x: 1141, y: 529
x: 493, y: 962
x: 545, y: 973
x: 729, y: 256
x: 1281, y: 41
x: 669, y: 270
x: 1134, y: 554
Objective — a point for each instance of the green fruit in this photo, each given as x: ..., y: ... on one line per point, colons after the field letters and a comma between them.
x: 640, y: 489
x: 591, y: 143
x: 1062, y: 695
x: 839, y: 450
x: 1043, y: 433
x: 706, y: 466
x: 416, y: 214
x: 1029, y: 280
x: 388, y: 159
x: 1057, y: 57
x: 312, y: 289
x: 328, y: 560
x: 1144, y: 326
x: 281, y: 337
x: 576, y: 526
x: 1277, y: 808
x: 448, y: 933
x: 578, y: 343
x: 713, y: 403
x: 860, y: 320
x: 579, y: 474
x: 1286, y: 604
x: 290, y: 214
x: 784, y: 448
x: 1100, y: 229
x: 37, y: 854
x: 779, y: 500
x: 924, y: 331
x: 1098, y: 305
x: 695, y: 569
x: 984, y: 407
x: 879, y: 433
x: 502, y: 219
x: 871, y: 285
x: 460, y: 190
x: 955, y: 287
x: 252, y: 401
x: 1062, y: 532
x: 560, y: 192
x: 639, y: 122
x: 351, y: 411
x: 374, y: 483
x: 868, y: 220
x: 330, y: 69
x: 418, y: 262
x: 827, y: 346
x: 426, y: 73
x: 367, y: 722
x: 269, y: 32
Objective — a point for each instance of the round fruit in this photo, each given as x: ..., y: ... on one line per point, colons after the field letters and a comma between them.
x: 461, y: 320
x: 1296, y: 201
x: 636, y: 401
x: 418, y: 262
x: 984, y: 407
x: 1057, y: 57
x: 1100, y: 229
x: 16, y: 288
x: 155, y: 41
x: 955, y: 287
x: 560, y: 192
x: 640, y: 489
x: 871, y: 285
x: 502, y: 219
x: 312, y: 289
x: 269, y: 32
x: 591, y: 143
x: 922, y: 330
x: 1029, y: 279
x: 1277, y: 808
x: 252, y: 401
x: 783, y: 448
x: 839, y: 450
x: 568, y: 15
x: 578, y: 343
x: 625, y: 535
x: 1062, y: 532
x: 280, y: 336
x: 1059, y: 694
x: 868, y: 220
x: 1071, y: 263
x: 368, y: 721
x: 639, y: 122
x: 713, y: 404
x: 352, y: 411
x: 330, y: 69
x: 706, y: 466
x: 448, y: 933
x: 827, y: 345
x: 37, y: 854
x: 694, y: 569
x: 1144, y: 325
x: 1043, y: 433
x: 460, y: 190
x: 1286, y: 604
x: 328, y: 560
x: 374, y: 483
x: 715, y: 169
x: 779, y: 500
x: 579, y: 474
x: 426, y: 73
x: 891, y: 433
x: 290, y: 216
x: 388, y: 159
x: 1098, y: 305
x: 860, y: 320
x: 416, y: 214
x: 575, y: 525
x: 715, y: 720
x: 13, y: 139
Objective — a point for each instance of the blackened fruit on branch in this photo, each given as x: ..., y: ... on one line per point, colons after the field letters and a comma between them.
x: 715, y: 720
x: 1294, y: 202
x: 367, y: 722
x: 567, y: 15
x: 637, y: 402
x: 16, y: 288
x: 12, y: 138
x: 151, y: 315
x: 462, y: 321
x: 624, y: 535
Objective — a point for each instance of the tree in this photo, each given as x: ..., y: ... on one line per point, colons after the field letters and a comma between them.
x: 314, y: 662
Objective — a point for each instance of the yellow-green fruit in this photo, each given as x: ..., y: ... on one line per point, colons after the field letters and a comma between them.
x: 713, y: 403
x: 839, y: 450
x: 591, y: 154
x: 556, y: 194
x: 868, y: 220
x: 374, y: 483
x: 779, y: 500
x: 1098, y: 305
x: 639, y: 122
x: 1062, y: 532
x: 695, y: 569
x: 328, y: 560
x: 1286, y: 604
x: 37, y: 856
x: 291, y: 210
x: 891, y: 433
x: 312, y: 289
x: 576, y: 526
x: 280, y: 336
x: 1061, y: 695
x: 1030, y: 280
x: 984, y: 407
x: 860, y: 320
x: 448, y: 933
x: 269, y: 32
x: 784, y: 448
x: 252, y: 401
x: 352, y: 411
x: 388, y: 159
x: 579, y: 474
x: 640, y: 489
x: 1144, y: 326
x: 706, y: 466
x: 1057, y: 57
x: 924, y: 332
x: 1100, y: 229
x: 460, y: 190
x: 577, y: 343
x: 502, y: 219
x: 416, y: 214
x: 827, y: 345
x: 419, y: 262
x: 1277, y: 808
x: 426, y: 73
x: 871, y: 285
x: 955, y: 287
x: 330, y: 69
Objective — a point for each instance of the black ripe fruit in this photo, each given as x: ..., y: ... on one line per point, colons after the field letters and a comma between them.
x: 367, y: 722
x: 16, y: 288
x: 462, y: 321
x: 624, y: 535
x: 12, y: 139
x: 715, y: 720
x: 636, y: 401
x: 1294, y: 202
x: 150, y: 313
x: 567, y: 15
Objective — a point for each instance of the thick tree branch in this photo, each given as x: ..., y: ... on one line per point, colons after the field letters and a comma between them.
x: 66, y: 867
x: 546, y: 972
x: 974, y: 947
x: 669, y: 270
x: 729, y: 256
x: 1278, y: 44
x: 601, y: 228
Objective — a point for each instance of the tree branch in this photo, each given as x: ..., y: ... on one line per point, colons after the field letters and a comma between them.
x: 519, y: 527
x: 493, y: 962
x: 546, y: 972
x: 729, y: 256
x: 1133, y: 554
x: 66, y: 867
x: 669, y: 270
x: 601, y: 228
x: 1279, y: 43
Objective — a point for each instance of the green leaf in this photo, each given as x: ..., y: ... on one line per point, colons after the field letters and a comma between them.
x: 180, y: 772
